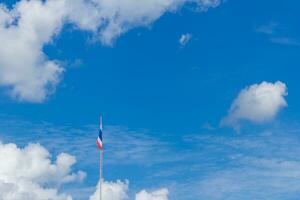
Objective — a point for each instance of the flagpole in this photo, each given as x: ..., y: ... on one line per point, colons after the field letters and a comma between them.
x: 101, y: 157
x: 101, y: 160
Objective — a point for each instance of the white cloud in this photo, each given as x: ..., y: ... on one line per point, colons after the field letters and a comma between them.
x: 119, y: 191
x: 27, y: 72
x: 112, y: 191
x: 184, y: 39
x: 24, y: 68
x: 120, y: 16
x: 28, y: 173
x: 257, y: 103
x: 161, y: 194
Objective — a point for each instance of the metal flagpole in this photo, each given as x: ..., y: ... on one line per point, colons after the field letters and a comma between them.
x: 101, y: 157
x: 101, y: 160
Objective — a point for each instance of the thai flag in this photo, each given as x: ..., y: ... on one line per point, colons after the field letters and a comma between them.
x: 99, y: 139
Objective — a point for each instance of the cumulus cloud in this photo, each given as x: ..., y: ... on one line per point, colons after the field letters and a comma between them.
x: 24, y: 68
x: 112, y: 191
x: 28, y: 173
x: 257, y: 103
x: 119, y: 191
x: 127, y: 14
x: 26, y: 71
x: 184, y: 39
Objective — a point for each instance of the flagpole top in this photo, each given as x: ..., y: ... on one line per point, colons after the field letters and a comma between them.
x: 101, y: 122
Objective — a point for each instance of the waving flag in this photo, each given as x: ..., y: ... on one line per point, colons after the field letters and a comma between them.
x: 99, y: 139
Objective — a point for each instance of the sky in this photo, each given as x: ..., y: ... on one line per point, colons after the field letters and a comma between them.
x: 199, y: 99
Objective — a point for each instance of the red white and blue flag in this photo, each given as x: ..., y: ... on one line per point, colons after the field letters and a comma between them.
x: 99, y: 139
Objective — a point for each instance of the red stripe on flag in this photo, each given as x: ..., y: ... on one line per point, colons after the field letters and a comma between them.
x: 99, y: 145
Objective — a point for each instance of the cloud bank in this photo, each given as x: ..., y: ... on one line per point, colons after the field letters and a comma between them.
x: 257, y: 103
x: 26, y: 71
x: 267, y: 161
x: 28, y: 173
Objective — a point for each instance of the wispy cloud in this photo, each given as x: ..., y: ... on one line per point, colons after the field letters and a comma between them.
x: 277, y: 34
x: 208, y: 126
x: 269, y: 28
x: 123, y: 148
x: 206, y: 166
x: 260, y: 166
x: 285, y: 41
x: 122, y: 145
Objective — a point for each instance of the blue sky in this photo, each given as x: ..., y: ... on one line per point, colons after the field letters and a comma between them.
x: 163, y: 103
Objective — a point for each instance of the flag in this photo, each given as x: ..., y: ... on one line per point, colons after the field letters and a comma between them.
x: 99, y: 139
